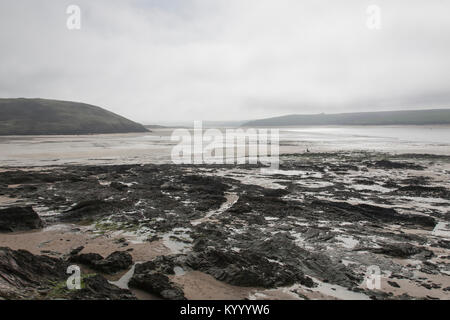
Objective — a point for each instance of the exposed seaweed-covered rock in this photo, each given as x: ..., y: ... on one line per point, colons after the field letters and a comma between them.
x: 19, y: 219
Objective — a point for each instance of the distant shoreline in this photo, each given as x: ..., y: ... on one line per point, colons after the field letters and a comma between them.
x: 403, y: 117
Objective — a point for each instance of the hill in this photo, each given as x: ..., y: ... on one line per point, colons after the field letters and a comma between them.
x: 52, y: 117
x: 410, y: 117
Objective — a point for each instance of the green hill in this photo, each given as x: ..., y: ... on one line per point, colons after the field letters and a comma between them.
x: 52, y: 117
x: 411, y: 117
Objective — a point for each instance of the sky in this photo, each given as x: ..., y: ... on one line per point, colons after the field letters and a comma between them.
x: 160, y: 61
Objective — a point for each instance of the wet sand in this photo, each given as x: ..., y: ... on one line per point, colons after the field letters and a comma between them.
x: 201, y: 286
x: 60, y: 240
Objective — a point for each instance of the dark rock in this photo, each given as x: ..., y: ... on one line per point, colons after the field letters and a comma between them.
x: 76, y: 250
x: 98, y: 288
x: 87, y: 259
x: 403, y: 250
x: 115, y: 262
x: 156, y: 283
x: 162, y: 264
x: 19, y: 219
x: 21, y: 272
x: 394, y: 284
x: 364, y: 212
x: 86, y: 209
x: 442, y: 244
x: 425, y: 191
x: 429, y: 268
x: 118, y: 186
x: 387, y: 164
x: 27, y: 276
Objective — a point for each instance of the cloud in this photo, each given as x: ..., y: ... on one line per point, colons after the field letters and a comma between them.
x: 174, y: 60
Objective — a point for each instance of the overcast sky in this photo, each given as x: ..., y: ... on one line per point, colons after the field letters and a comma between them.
x: 180, y: 60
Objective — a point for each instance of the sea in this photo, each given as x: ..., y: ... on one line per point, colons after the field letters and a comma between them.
x: 156, y: 146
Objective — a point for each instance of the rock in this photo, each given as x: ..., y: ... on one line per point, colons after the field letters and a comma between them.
x: 387, y: 164
x: 98, y: 288
x: 21, y: 272
x: 403, y: 250
x: 19, y: 219
x: 281, y: 248
x: 429, y: 268
x: 87, y: 259
x: 364, y: 212
x: 27, y: 276
x: 158, y: 284
x: 115, y: 262
x: 394, y: 284
x: 85, y: 209
x: 76, y: 251
x: 118, y: 186
x: 425, y: 191
x: 442, y: 244
x: 162, y: 264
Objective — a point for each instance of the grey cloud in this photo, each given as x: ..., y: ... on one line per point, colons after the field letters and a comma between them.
x: 164, y: 60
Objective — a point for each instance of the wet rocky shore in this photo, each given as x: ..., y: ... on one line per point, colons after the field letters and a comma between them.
x: 314, y: 229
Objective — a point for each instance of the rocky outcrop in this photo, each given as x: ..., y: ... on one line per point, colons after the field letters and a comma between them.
x: 425, y: 191
x: 98, y: 288
x: 246, y: 269
x: 272, y: 263
x: 85, y: 210
x: 27, y: 276
x: 364, y: 212
x: 115, y: 262
x: 22, y: 273
x: 387, y: 164
x: 403, y: 250
x: 147, y: 278
x: 19, y: 219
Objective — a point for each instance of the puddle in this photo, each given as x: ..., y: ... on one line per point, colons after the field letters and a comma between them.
x: 177, y: 247
x: 305, y: 174
x: 338, y: 292
x: 125, y: 279
x: 179, y: 271
x: 348, y: 242
x: 442, y: 229
x: 314, y: 184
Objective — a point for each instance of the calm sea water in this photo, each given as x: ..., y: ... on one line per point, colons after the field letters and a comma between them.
x: 156, y: 146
